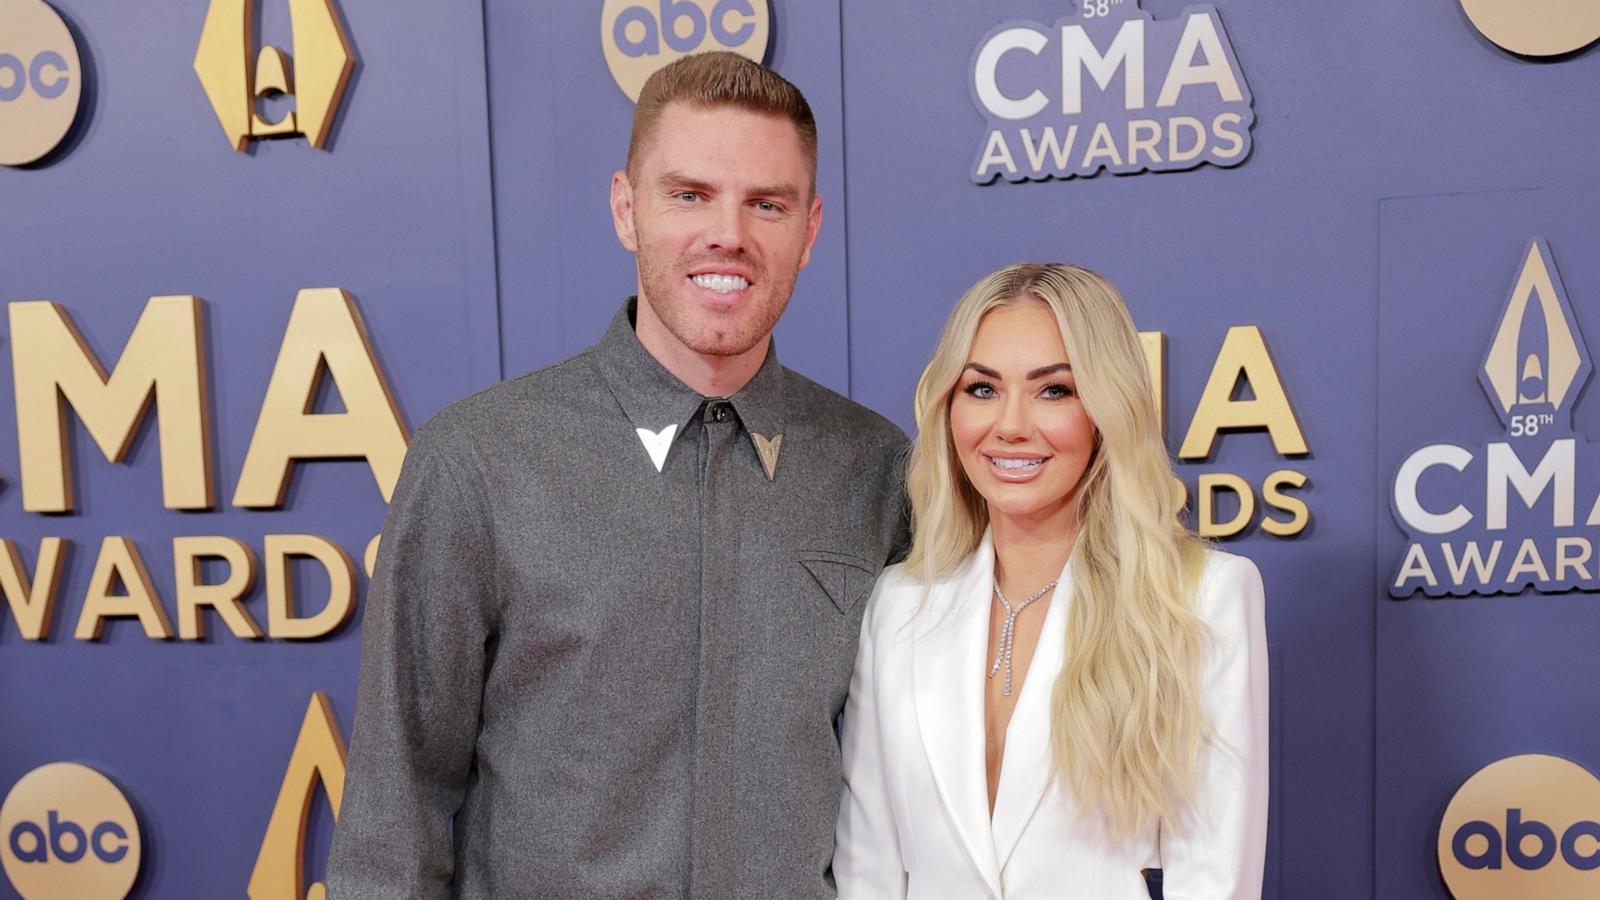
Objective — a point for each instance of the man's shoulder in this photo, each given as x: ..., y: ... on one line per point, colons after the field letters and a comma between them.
x: 515, y: 406
x: 833, y: 415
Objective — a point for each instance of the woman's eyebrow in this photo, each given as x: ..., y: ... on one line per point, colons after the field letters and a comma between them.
x: 1042, y: 371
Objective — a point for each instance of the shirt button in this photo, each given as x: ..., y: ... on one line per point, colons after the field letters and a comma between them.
x: 719, y: 412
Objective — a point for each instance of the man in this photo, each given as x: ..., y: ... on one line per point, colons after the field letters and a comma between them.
x: 615, y: 612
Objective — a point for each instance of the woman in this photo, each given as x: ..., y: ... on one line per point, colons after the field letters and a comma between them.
x: 1061, y: 686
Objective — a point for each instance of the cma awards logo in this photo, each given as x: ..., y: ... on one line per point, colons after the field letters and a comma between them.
x: 1503, y: 516
x: 237, y: 78
x: 68, y: 832
x: 641, y: 36
x: 41, y: 81
x: 1523, y: 828
x: 1109, y: 88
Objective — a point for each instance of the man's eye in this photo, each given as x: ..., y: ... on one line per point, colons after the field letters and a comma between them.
x: 688, y: 196
x: 766, y: 206
x: 983, y: 390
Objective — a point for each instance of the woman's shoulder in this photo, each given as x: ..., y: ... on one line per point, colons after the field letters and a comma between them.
x: 896, y: 598
x: 895, y: 585
x: 1220, y: 564
x: 896, y: 579
x: 1229, y: 584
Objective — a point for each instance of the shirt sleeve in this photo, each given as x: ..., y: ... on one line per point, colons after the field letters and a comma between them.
x: 428, y: 619
x: 866, y: 860
x: 1218, y: 849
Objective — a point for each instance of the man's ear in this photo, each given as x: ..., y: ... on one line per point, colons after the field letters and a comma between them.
x: 622, y: 211
x: 813, y: 227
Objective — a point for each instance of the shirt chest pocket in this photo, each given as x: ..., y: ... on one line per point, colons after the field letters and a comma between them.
x: 844, y: 578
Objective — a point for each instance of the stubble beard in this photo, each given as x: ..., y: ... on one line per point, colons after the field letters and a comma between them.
x: 708, y: 334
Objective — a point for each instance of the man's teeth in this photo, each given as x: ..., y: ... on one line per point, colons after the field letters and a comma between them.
x: 722, y: 284
x: 1016, y: 463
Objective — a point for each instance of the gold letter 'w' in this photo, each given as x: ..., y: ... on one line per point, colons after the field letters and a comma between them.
x: 321, y: 68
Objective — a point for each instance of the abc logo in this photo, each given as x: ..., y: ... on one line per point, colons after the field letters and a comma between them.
x: 40, y: 81
x: 68, y: 832
x: 1536, y: 27
x: 641, y: 36
x: 1523, y: 828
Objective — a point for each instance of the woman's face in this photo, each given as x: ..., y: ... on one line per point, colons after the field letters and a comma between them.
x: 1018, y: 426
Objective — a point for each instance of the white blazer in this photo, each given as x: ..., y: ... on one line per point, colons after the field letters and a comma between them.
x: 914, y: 821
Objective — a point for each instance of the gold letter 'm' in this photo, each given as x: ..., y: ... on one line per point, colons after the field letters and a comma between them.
x: 52, y: 366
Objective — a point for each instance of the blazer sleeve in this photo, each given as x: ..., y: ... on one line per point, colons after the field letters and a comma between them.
x: 424, y: 631
x: 866, y: 859
x: 1218, y: 849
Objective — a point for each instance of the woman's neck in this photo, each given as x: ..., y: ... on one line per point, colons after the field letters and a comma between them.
x: 1029, y: 554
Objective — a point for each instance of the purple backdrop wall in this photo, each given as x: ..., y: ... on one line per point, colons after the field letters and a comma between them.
x: 465, y: 272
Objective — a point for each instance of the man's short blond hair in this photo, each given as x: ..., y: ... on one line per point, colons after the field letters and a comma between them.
x: 721, y: 79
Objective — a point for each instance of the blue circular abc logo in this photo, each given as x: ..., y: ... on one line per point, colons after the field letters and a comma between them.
x: 68, y: 831
x: 40, y: 81
x: 1523, y: 828
x: 641, y: 36
x: 48, y: 73
x: 1536, y: 27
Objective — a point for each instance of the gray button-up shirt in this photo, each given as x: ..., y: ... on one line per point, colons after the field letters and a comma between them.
x: 611, y: 626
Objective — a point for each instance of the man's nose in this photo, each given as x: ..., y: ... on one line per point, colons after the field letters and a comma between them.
x: 729, y: 230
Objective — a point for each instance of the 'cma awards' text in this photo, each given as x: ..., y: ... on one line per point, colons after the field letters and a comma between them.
x: 1045, y: 122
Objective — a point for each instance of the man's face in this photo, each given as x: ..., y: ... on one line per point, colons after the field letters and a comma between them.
x: 720, y: 210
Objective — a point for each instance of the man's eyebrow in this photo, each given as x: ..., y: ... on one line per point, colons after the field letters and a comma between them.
x: 680, y: 180
x: 785, y: 192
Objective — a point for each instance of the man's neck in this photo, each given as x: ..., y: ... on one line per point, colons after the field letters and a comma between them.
x: 710, y: 376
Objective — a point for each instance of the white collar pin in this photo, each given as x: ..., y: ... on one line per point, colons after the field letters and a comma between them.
x: 657, y: 443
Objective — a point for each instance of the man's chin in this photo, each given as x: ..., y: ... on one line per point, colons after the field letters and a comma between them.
x: 724, y: 345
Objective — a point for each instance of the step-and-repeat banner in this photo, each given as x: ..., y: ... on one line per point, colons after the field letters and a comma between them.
x: 250, y: 245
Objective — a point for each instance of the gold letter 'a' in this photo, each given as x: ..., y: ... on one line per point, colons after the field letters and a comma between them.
x: 227, y: 62
x: 318, y: 756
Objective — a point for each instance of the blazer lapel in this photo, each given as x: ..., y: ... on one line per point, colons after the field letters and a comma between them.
x: 1027, y: 769
x: 947, y: 672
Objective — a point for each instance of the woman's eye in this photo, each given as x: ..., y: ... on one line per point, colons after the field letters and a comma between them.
x: 1057, y: 391
x: 983, y: 390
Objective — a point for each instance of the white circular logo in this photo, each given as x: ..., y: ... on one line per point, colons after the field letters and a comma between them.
x: 1523, y: 828
x: 1536, y: 27
x: 41, y: 81
x: 67, y: 831
x: 641, y: 36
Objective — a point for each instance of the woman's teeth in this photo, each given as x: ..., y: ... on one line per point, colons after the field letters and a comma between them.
x: 1016, y: 465
x: 722, y: 284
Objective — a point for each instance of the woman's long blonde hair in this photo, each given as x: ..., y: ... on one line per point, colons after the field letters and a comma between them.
x: 1126, y: 721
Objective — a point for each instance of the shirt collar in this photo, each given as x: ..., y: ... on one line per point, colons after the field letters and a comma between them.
x: 654, y: 399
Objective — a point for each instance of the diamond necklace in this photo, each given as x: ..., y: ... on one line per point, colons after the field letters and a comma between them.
x: 1008, y: 631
